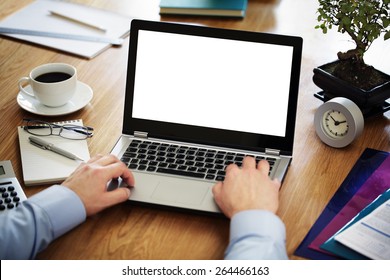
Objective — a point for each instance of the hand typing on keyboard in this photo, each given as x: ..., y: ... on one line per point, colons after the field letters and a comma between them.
x: 89, y: 182
x: 247, y: 188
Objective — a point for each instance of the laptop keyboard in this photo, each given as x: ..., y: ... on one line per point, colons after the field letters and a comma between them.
x: 182, y: 160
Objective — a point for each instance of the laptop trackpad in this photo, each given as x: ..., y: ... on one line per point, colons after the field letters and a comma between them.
x: 191, y: 193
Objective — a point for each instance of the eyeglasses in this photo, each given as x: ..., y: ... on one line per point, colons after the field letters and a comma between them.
x: 68, y: 131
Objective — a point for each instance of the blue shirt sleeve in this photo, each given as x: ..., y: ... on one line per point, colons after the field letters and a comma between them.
x: 29, y: 228
x: 256, y: 234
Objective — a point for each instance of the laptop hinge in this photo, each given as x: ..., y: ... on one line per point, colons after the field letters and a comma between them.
x: 272, y: 152
x: 141, y: 134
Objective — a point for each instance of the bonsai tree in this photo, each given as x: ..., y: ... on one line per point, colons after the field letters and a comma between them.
x: 363, y: 20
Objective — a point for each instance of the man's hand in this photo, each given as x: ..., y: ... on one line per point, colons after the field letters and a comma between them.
x: 89, y: 182
x: 247, y: 188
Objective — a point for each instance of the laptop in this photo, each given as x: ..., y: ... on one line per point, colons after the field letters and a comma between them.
x: 198, y: 99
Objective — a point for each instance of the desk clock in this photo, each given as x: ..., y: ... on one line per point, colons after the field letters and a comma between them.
x: 338, y: 122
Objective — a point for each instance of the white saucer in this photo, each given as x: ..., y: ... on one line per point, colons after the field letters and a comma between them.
x: 80, y: 99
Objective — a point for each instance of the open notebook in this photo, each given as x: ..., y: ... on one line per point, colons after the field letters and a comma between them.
x: 45, y: 167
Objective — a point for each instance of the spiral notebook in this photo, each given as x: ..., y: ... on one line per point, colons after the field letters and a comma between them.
x: 45, y: 167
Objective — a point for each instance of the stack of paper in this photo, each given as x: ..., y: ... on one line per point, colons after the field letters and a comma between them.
x: 38, y: 16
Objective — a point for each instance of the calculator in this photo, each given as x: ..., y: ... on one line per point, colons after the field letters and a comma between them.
x: 11, y: 193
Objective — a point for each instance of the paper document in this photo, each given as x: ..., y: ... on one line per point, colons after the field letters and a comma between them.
x: 38, y: 17
x: 371, y: 235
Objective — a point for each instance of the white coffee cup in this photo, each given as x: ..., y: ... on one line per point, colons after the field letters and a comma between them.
x: 52, y: 84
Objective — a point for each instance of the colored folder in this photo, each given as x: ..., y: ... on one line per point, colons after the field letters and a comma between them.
x: 335, y: 247
x: 370, y: 163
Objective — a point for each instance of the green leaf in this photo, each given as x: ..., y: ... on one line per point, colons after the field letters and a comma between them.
x: 346, y: 20
x: 387, y: 35
x: 386, y: 22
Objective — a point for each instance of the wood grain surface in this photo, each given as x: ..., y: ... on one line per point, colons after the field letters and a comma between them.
x: 128, y: 231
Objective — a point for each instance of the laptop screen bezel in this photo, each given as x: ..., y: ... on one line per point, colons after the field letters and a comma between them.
x: 204, y: 135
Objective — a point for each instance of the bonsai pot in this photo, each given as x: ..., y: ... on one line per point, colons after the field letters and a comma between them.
x: 371, y: 100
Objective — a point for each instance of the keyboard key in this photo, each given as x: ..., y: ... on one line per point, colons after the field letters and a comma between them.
x: 180, y: 172
x: 133, y: 166
x: 220, y: 178
x: 142, y: 167
x: 151, y: 168
x: 172, y: 166
x: 219, y: 167
x: 202, y: 170
x: 239, y: 158
x: 125, y: 160
x: 191, y: 168
x: 134, y: 144
x: 131, y: 150
x: 160, y: 158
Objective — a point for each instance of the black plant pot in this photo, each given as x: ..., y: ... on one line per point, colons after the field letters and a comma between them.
x: 371, y: 102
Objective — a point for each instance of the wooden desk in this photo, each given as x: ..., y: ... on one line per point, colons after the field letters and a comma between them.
x: 129, y: 232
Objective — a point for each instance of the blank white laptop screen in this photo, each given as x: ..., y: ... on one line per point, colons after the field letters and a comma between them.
x: 210, y: 82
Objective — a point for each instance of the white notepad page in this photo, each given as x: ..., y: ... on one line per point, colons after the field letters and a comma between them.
x: 45, y: 167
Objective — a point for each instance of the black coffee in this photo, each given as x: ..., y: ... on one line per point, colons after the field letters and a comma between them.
x: 53, y: 77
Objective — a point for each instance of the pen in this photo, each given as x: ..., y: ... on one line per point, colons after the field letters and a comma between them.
x: 67, y: 17
x: 49, y: 146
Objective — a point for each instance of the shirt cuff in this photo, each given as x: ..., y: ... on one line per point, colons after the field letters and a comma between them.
x: 256, y: 221
x: 256, y: 234
x: 63, y: 207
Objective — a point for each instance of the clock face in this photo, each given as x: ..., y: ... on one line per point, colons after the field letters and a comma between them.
x: 338, y: 122
x: 335, y: 124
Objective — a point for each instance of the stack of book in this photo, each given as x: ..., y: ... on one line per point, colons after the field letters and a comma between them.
x: 223, y: 8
